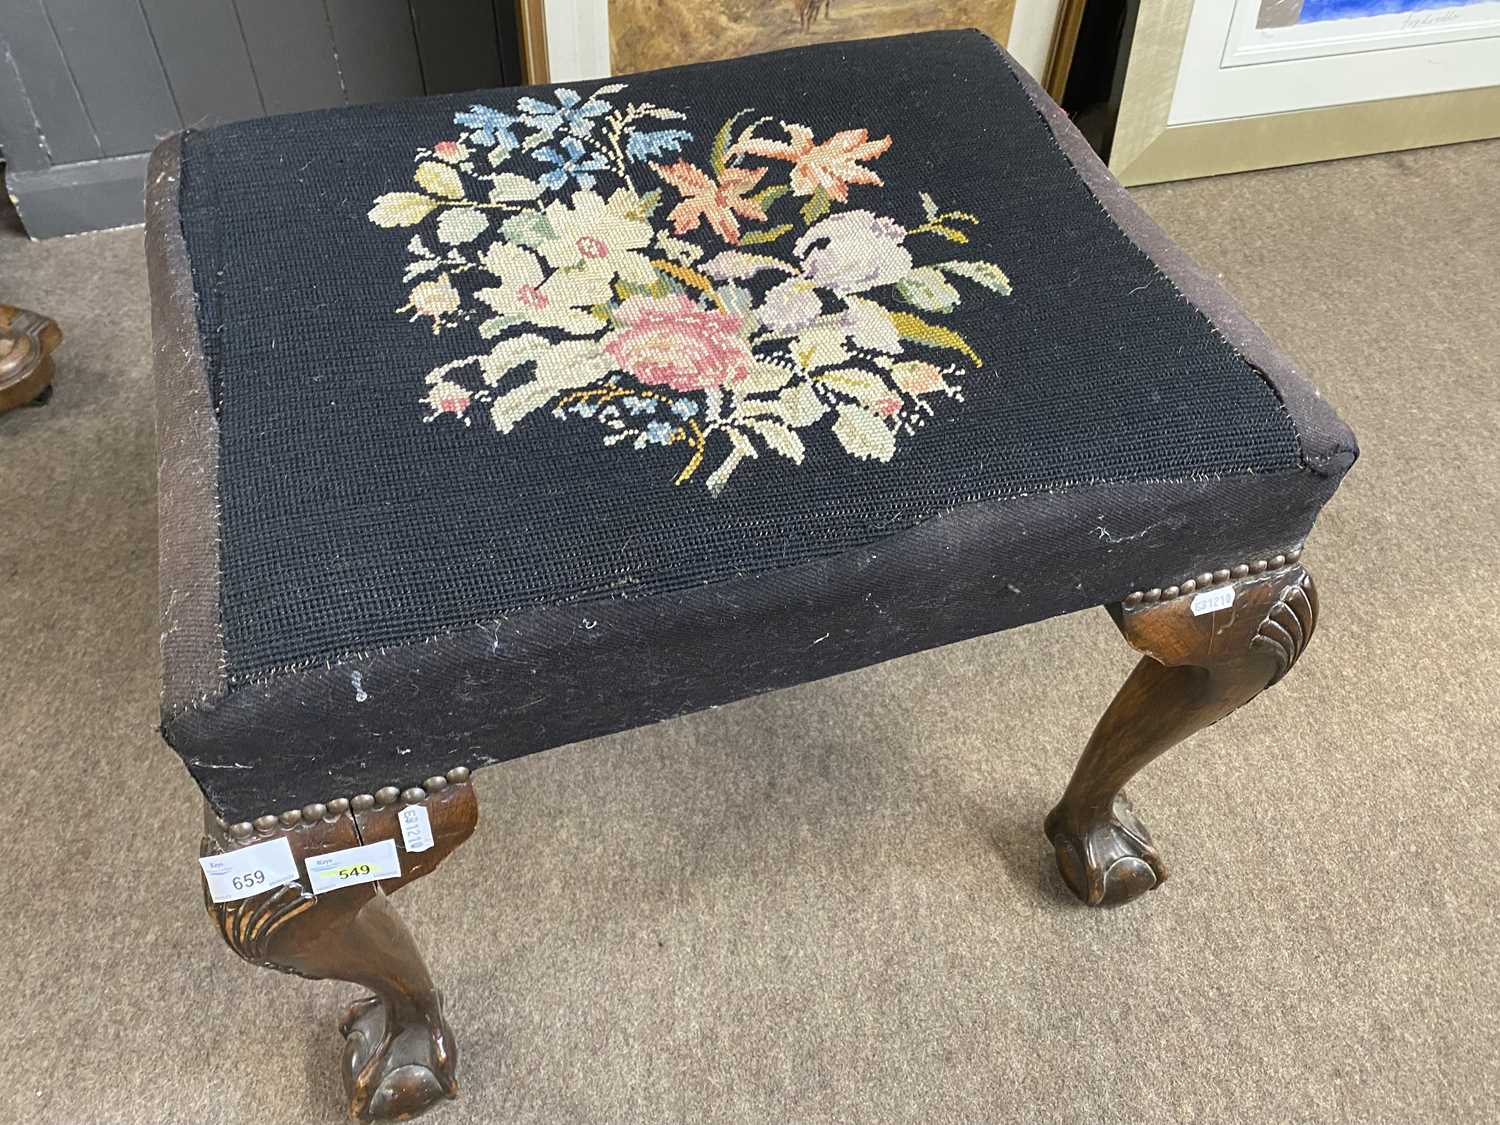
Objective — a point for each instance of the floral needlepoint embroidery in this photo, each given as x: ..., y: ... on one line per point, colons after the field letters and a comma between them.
x: 720, y: 297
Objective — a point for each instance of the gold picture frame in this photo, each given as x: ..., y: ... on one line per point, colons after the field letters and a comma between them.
x: 568, y: 40
x: 1147, y: 149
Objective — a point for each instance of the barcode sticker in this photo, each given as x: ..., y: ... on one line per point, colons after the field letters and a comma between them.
x: 416, y: 828
x: 353, y: 866
x: 1221, y: 597
x: 249, y: 871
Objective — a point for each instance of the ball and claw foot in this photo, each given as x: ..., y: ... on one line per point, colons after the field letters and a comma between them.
x: 395, y: 1073
x: 1107, y: 863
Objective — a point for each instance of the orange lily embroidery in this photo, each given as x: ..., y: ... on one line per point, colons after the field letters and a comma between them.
x: 831, y: 166
x: 718, y: 203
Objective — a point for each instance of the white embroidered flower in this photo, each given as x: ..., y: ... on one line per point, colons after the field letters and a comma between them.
x: 854, y: 251
x: 525, y: 294
x: 594, y: 242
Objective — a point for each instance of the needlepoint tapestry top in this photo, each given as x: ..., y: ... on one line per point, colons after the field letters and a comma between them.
x: 481, y: 353
x: 712, y: 292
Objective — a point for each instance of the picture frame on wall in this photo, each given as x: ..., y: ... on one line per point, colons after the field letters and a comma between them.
x: 576, y: 40
x: 1217, y: 86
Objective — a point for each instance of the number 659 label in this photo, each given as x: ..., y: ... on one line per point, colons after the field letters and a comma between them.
x: 249, y: 871
x: 352, y: 866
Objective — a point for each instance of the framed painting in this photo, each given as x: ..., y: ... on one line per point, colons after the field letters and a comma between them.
x: 572, y: 40
x: 1227, y: 85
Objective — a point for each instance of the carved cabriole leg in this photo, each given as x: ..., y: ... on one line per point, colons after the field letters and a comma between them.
x: 399, y: 1055
x: 1197, y: 669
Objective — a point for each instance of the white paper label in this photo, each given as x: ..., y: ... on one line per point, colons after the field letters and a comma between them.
x: 416, y: 828
x: 249, y: 871
x: 1221, y: 597
x: 353, y: 866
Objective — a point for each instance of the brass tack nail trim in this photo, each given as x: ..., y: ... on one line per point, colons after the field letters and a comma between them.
x: 338, y: 806
x: 1206, y: 579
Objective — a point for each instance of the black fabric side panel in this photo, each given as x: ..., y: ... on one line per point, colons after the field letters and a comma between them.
x: 1328, y: 445
x: 555, y: 675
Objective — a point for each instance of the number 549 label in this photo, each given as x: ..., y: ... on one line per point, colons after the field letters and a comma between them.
x: 352, y: 866
x: 249, y: 871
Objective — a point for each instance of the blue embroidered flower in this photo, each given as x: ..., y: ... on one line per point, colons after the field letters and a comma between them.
x: 491, y: 127
x: 638, y: 405
x: 659, y: 433
x: 684, y: 408
x: 571, y: 115
x: 574, y: 162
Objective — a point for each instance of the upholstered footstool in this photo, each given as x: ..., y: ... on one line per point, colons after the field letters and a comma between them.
x: 499, y: 421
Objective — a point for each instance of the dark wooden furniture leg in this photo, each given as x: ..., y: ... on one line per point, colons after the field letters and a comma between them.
x: 399, y: 1054
x: 1198, y: 668
x: 27, y: 341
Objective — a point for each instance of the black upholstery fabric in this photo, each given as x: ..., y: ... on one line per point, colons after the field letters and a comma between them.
x: 404, y: 587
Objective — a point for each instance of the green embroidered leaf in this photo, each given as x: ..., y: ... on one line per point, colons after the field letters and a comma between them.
x: 987, y: 274
x: 926, y: 288
x: 721, y: 143
x: 782, y: 439
x: 770, y: 195
x: 816, y: 207
x: 461, y: 224
x: 768, y: 234
x: 440, y: 179
x: 960, y: 215
x: 529, y: 228
x: 864, y: 435
x: 950, y: 233
x: 508, y: 187
x: 647, y: 204
x: 929, y: 208
x: 914, y: 328
x: 401, y: 209
x: 865, y: 386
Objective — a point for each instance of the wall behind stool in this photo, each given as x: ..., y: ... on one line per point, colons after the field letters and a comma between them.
x: 87, y: 87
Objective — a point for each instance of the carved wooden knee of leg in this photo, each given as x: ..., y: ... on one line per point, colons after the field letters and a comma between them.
x: 1210, y: 645
x: 400, y: 1057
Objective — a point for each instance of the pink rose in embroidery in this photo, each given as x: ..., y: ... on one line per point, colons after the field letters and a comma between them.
x: 670, y: 341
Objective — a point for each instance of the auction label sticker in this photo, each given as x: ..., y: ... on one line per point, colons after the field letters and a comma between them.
x: 353, y: 866
x: 1211, y: 600
x: 416, y: 828
x: 248, y: 871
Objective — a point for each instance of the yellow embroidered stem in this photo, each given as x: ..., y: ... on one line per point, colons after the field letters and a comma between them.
x: 699, y: 440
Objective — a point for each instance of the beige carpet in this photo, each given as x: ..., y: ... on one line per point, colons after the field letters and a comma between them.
x: 835, y: 904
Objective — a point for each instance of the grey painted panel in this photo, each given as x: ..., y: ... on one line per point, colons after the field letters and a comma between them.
x: 207, y: 64
x: 291, y: 52
x: 76, y: 197
x: 67, y: 132
x: 377, y: 49
x: 20, y: 138
x: 115, y: 67
x: 457, y: 42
